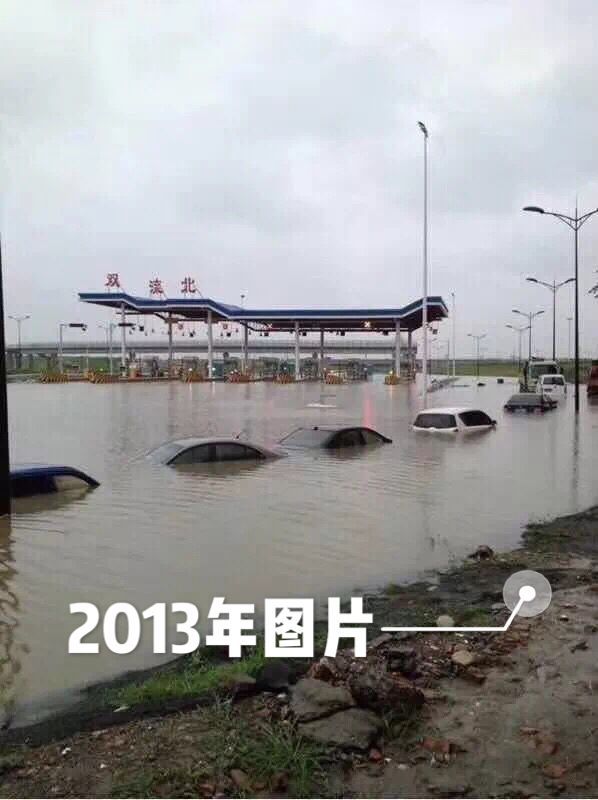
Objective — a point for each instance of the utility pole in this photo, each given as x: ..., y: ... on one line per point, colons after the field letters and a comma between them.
x: 569, y: 321
x: 554, y: 287
x: 478, y: 337
x: 424, y: 130
x: 4, y: 450
x: 454, y: 334
x: 575, y: 224
x: 19, y: 321
x: 520, y: 331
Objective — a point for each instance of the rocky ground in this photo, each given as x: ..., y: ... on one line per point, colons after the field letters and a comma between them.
x: 443, y: 715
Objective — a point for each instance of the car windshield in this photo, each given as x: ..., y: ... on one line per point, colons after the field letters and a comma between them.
x: 436, y: 421
x: 543, y: 369
x: 306, y: 437
x: 553, y: 380
x: 165, y: 452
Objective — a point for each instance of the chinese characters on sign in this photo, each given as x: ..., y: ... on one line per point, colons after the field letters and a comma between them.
x: 112, y: 281
x: 288, y: 627
x: 156, y: 287
x: 188, y: 286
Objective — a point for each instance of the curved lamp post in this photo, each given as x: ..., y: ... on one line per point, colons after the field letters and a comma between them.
x: 424, y: 130
x: 529, y: 316
x: 478, y: 337
x: 518, y: 329
x: 19, y: 321
x: 554, y: 287
x: 575, y: 224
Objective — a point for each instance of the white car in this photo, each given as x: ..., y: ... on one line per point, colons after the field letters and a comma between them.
x: 554, y: 386
x: 453, y: 420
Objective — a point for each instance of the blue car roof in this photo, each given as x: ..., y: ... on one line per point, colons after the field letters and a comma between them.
x: 49, y: 470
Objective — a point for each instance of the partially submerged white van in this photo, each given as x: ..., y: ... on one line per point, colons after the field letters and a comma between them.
x: 553, y: 385
x: 453, y: 420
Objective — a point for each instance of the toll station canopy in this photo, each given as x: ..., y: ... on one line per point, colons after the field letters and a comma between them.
x: 203, y: 309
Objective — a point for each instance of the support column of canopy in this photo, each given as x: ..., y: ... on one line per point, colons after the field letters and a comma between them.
x: 297, y: 353
x: 398, y: 348
x: 123, y: 338
x: 322, y: 354
x: 170, y: 345
x: 411, y: 358
x: 245, y: 347
x: 210, y: 346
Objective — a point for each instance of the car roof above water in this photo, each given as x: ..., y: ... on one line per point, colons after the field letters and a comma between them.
x: 448, y: 410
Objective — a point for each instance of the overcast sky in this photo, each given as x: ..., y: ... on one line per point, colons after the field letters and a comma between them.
x: 273, y: 147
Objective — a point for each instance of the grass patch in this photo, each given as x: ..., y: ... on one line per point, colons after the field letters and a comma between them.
x: 273, y: 757
x: 197, y: 676
x: 402, y: 726
x: 278, y: 751
x: 471, y: 617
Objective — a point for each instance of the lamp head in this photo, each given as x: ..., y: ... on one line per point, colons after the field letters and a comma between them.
x: 532, y: 280
x: 423, y: 129
x: 535, y: 209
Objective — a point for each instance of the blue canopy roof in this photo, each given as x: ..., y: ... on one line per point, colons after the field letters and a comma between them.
x: 410, y: 316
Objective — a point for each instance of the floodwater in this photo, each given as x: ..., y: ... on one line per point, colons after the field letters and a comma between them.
x: 310, y: 525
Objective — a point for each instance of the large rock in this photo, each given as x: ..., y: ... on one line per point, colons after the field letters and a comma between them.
x: 312, y: 699
x: 274, y: 676
x: 353, y: 729
x: 377, y: 689
x: 402, y: 659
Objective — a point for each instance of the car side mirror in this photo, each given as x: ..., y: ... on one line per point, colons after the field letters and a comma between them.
x: 493, y: 422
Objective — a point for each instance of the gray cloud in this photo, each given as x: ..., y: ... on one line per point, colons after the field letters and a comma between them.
x: 273, y: 147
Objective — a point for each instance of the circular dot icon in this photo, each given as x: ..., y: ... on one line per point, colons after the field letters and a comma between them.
x: 531, y: 587
x: 527, y: 594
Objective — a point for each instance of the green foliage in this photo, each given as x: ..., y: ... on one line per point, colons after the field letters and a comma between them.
x: 197, y: 677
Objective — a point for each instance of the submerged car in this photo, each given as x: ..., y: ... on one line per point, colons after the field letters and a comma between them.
x: 27, y: 480
x: 553, y: 385
x: 453, y: 420
x: 530, y: 402
x: 209, y: 451
x: 333, y: 437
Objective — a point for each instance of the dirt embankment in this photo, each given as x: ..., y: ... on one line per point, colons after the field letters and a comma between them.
x: 448, y: 715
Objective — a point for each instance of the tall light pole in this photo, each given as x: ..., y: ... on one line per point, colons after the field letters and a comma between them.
x: 424, y: 130
x: 109, y: 340
x: 4, y: 452
x: 575, y: 224
x: 454, y: 333
x: 554, y: 287
x: 529, y: 316
x: 19, y: 321
x: 519, y: 330
x: 478, y: 337
x: 61, y: 327
x: 569, y: 321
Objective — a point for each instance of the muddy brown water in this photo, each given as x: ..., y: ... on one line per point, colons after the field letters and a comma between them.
x: 310, y: 525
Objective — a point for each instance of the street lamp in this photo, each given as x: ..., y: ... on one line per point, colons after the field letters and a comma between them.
x: 529, y: 316
x: 454, y: 333
x: 61, y: 327
x: 4, y: 449
x: 554, y: 287
x: 478, y: 337
x: 569, y: 321
x: 519, y: 330
x: 575, y: 224
x: 424, y: 130
x: 109, y: 328
x: 19, y: 321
